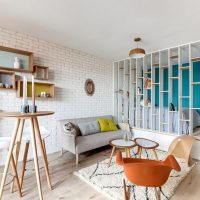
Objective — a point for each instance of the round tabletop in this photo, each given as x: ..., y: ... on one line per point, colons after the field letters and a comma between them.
x: 121, y: 143
x: 25, y: 115
x: 146, y: 143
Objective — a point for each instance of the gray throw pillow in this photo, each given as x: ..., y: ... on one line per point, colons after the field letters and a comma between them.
x: 88, y: 128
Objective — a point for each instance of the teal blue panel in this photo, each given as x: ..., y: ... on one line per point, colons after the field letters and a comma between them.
x: 165, y: 99
x: 175, y: 70
x: 196, y: 72
x: 165, y: 79
x: 196, y: 96
x: 175, y: 93
x: 157, y: 75
x: 157, y: 93
x: 185, y: 83
x: 7, y: 59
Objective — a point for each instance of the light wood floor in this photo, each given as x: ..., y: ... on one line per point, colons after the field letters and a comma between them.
x: 66, y: 186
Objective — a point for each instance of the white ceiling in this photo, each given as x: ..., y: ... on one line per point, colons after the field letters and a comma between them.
x: 105, y: 28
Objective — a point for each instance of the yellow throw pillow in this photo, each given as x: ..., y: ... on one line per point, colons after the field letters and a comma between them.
x: 107, y: 125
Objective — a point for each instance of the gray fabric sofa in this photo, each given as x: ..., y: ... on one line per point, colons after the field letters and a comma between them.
x: 77, y: 143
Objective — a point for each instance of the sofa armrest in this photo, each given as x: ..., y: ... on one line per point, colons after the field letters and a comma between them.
x: 68, y: 140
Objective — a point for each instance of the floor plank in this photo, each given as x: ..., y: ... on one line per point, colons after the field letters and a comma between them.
x: 66, y: 186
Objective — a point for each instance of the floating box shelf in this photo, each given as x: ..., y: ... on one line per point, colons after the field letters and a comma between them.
x: 195, y: 83
x: 7, y: 77
x: 41, y: 72
x: 195, y: 59
x: 7, y: 58
x: 39, y: 87
x: 174, y: 57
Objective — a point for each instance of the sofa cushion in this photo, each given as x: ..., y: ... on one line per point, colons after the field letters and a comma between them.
x: 88, y: 128
x: 86, y: 143
x: 107, y: 125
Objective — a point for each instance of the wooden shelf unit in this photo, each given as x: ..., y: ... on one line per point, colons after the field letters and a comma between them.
x: 41, y: 72
x: 7, y: 77
x: 171, y: 64
x: 39, y: 87
x: 16, y: 53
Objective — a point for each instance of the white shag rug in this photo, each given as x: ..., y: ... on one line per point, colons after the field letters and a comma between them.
x: 109, y: 180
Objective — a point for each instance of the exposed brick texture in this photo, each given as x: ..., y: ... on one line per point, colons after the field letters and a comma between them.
x: 69, y: 68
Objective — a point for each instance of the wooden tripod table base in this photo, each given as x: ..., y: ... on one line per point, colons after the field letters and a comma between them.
x: 16, y: 139
x: 121, y: 144
x: 143, y: 143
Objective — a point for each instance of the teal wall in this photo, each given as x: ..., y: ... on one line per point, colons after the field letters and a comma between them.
x: 185, y: 86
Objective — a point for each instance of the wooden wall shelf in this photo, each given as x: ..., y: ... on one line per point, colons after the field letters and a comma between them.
x: 41, y: 72
x: 7, y: 58
x: 40, y: 87
x: 7, y: 78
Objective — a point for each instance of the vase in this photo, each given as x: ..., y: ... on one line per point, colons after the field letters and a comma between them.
x: 17, y: 63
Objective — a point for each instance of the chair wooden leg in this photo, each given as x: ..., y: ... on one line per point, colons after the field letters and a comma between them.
x: 129, y: 152
x: 157, y: 193
x: 12, y: 143
x: 111, y: 155
x: 140, y: 152
x: 16, y: 178
x: 37, y: 131
x: 24, y: 164
x: 126, y: 196
x: 19, y: 139
x: 35, y: 156
x: 126, y: 151
x: 61, y: 152
x: 155, y: 154
x: 77, y: 158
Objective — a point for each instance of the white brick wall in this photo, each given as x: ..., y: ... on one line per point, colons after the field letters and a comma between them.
x: 69, y: 68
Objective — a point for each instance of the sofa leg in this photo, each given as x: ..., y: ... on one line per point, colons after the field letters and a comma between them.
x: 61, y: 152
x: 77, y: 156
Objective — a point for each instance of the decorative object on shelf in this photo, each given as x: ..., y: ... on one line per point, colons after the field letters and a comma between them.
x: 34, y: 107
x: 137, y: 52
x: 148, y: 102
x: 7, y: 80
x: 171, y: 107
x: 126, y: 137
x: 17, y: 63
x: 24, y: 107
x: 139, y: 91
x: 8, y: 86
x: 142, y: 102
x: 89, y: 87
x: 41, y: 89
x: 41, y: 72
x: 127, y: 93
x: 23, y: 60
x: 147, y: 83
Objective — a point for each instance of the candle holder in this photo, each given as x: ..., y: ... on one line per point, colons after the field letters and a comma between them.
x: 33, y: 109
x: 25, y: 109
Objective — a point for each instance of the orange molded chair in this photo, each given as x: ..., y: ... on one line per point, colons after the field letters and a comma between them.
x: 147, y: 173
